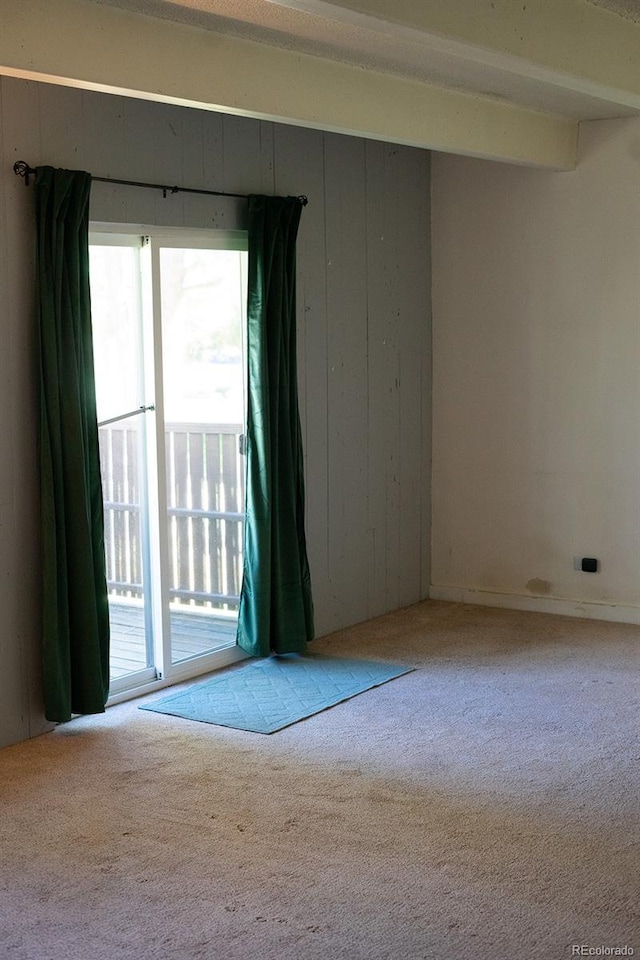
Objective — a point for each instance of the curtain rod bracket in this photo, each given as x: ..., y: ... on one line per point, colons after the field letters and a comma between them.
x: 22, y: 169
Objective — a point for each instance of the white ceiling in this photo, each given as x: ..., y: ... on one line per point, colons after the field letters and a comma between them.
x: 624, y: 8
x: 335, y: 32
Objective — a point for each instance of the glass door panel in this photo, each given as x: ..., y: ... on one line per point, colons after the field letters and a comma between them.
x: 117, y: 345
x: 121, y: 453
x: 203, y: 292
x: 116, y: 322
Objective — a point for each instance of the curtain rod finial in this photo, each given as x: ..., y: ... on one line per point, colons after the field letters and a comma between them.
x: 22, y: 169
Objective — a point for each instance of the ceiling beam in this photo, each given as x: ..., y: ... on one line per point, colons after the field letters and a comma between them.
x: 99, y: 47
x: 575, y: 44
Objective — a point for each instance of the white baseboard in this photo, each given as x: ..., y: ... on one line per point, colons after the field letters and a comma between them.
x: 589, y: 609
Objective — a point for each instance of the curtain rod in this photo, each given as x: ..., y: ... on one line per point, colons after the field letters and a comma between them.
x: 22, y: 169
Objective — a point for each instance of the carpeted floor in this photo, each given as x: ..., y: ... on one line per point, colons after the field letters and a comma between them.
x: 484, y: 807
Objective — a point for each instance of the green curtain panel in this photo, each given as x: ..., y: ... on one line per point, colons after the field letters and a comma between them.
x: 276, y: 608
x: 75, y: 606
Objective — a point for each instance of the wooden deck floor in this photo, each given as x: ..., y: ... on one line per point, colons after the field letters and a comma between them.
x: 191, y: 634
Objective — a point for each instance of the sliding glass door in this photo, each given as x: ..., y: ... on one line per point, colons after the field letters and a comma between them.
x: 169, y: 345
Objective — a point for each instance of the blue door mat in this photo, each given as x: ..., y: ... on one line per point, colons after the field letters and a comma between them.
x: 268, y: 694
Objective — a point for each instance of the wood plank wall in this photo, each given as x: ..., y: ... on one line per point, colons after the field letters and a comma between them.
x: 363, y: 334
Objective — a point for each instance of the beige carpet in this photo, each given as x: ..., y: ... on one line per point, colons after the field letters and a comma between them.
x: 485, y: 807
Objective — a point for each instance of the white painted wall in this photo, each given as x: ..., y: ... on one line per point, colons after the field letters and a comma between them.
x: 536, y: 327
x: 364, y: 334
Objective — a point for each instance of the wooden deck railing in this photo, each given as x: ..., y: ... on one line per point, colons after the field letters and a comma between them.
x: 205, y: 504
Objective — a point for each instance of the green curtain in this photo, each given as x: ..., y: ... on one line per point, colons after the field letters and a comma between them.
x: 276, y: 608
x: 75, y: 606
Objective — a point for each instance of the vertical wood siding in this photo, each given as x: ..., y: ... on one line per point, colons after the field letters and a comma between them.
x: 20, y: 615
x: 363, y: 331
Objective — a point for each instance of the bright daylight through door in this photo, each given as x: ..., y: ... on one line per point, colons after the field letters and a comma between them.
x: 168, y: 324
